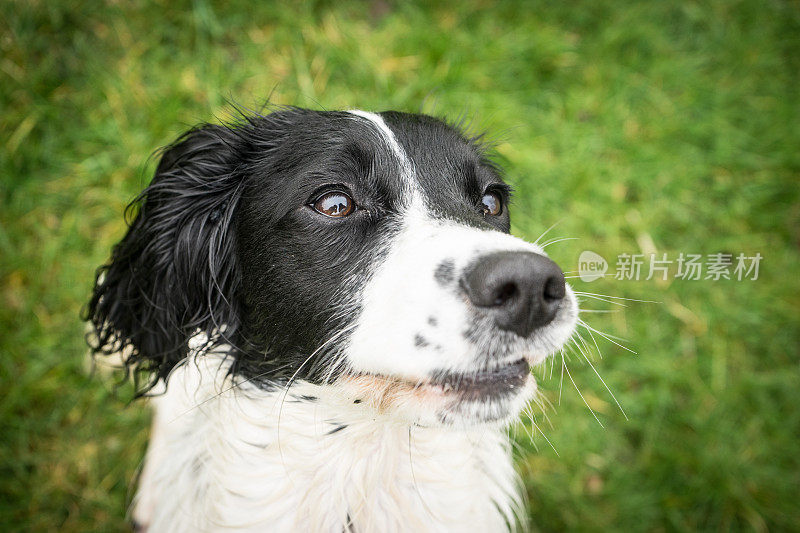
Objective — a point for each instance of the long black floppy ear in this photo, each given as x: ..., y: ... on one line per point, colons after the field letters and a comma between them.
x: 175, y: 271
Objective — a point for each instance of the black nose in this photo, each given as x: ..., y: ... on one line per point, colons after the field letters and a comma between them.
x: 521, y: 290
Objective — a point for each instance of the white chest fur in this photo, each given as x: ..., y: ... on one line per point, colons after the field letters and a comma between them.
x: 240, y: 458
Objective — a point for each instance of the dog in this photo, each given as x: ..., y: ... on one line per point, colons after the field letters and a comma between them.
x: 334, y: 325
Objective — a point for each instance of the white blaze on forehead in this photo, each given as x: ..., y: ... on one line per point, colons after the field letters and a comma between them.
x: 406, y: 167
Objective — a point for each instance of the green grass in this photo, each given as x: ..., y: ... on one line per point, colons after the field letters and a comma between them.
x: 654, y: 126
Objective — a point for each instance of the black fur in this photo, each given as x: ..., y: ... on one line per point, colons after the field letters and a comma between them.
x: 224, y: 240
x: 175, y: 270
x: 445, y: 272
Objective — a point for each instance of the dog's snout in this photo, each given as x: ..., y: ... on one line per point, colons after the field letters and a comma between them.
x: 521, y: 290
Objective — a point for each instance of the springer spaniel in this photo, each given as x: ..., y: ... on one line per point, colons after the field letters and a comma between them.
x: 336, y: 326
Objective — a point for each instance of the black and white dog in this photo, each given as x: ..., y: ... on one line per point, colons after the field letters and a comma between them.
x: 339, y: 326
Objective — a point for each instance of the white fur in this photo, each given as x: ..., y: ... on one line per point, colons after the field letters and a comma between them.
x: 406, y: 166
x: 225, y: 458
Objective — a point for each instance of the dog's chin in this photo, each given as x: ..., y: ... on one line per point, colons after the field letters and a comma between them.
x: 488, y: 396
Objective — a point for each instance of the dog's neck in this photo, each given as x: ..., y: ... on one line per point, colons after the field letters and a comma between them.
x: 240, y: 457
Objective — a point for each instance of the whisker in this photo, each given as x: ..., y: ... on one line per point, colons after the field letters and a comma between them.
x: 594, y: 297
x: 609, y: 338
x: 516, y: 447
x: 529, y: 431
x: 582, y: 398
x: 554, y: 241
x: 540, y: 400
x: 561, y: 380
x: 591, y: 335
x: 545, y: 437
x: 545, y: 232
x: 582, y: 341
x: 610, y: 297
x: 586, y: 357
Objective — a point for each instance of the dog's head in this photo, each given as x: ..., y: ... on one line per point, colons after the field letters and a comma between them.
x: 369, y: 252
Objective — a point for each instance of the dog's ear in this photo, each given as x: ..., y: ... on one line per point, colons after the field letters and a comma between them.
x: 174, y: 274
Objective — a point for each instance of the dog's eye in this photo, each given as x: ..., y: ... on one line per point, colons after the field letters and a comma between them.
x: 334, y: 204
x: 492, y: 204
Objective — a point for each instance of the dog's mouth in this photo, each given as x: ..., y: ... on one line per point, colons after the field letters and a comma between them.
x: 452, y: 388
x: 483, y: 384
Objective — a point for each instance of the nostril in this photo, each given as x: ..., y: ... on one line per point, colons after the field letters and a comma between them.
x: 554, y: 289
x: 505, y: 293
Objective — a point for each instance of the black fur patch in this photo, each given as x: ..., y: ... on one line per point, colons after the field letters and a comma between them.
x: 445, y: 272
x: 336, y: 429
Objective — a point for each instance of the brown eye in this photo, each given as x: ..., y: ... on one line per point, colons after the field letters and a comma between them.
x: 334, y: 204
x: 492, y: 204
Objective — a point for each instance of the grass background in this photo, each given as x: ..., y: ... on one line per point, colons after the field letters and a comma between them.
x: 642, y: 127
